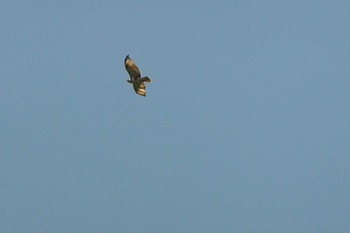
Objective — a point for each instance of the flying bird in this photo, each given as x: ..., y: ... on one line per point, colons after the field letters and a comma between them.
x: 135, y: 76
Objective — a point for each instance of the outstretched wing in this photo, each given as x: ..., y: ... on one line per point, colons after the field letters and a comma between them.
x: 140, y: 88
x: 132, y: 68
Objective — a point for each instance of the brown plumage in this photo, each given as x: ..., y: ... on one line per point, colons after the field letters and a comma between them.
x: 135, y: 76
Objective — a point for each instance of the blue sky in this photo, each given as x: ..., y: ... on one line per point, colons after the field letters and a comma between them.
x: 245, y: 127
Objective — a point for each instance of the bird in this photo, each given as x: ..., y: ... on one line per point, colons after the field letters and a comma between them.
x: 135, y: 76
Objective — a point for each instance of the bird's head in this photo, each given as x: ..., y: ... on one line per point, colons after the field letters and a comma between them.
x: 126, y: 58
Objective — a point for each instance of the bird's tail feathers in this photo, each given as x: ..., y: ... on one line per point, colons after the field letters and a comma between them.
x: 146, y: 79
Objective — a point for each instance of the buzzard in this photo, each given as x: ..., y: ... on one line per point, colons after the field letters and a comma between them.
x: 135, y: 76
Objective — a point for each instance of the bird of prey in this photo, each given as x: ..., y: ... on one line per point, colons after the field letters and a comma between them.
x: 135, y: 76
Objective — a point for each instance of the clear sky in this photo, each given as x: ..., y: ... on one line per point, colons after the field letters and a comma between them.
x: 245, y: 127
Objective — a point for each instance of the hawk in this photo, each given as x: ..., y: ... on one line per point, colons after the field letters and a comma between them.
x: 135, y: 76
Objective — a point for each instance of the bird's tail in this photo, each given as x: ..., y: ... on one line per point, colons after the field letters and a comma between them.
x: 145, y: 79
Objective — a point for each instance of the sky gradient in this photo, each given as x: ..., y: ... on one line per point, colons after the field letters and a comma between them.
x: 245, y: 127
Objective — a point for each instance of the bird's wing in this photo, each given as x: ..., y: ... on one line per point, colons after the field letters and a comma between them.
x: 132, y: 68
x: 140, y: 88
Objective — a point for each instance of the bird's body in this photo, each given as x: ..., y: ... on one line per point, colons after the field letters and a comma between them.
x: 137, y: 81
